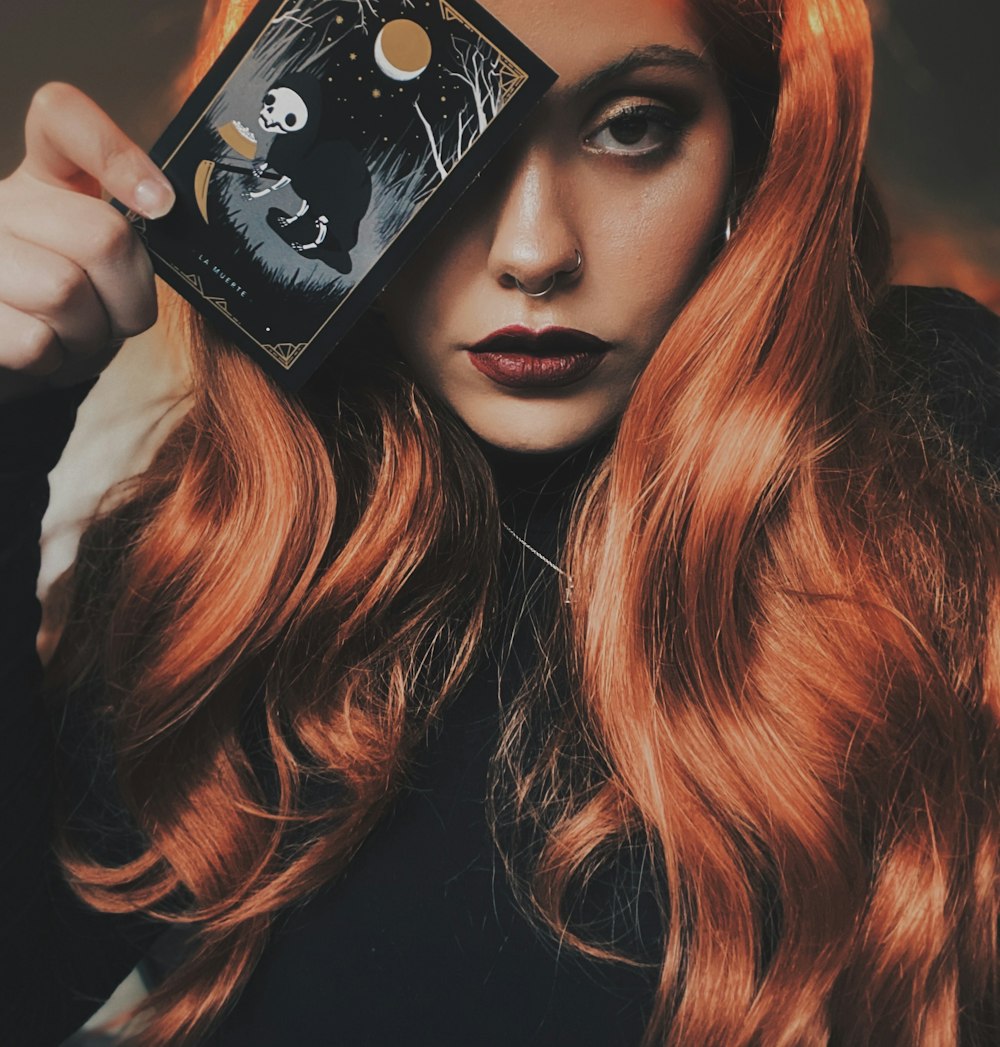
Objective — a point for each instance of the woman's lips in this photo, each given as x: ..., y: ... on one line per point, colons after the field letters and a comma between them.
x: 518, y: 357
x: 518, y: 370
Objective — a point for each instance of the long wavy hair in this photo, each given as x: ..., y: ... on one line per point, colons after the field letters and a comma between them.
x: 781, y: 664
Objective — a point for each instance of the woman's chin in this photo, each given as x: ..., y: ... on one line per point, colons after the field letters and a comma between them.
x: 541, y: 437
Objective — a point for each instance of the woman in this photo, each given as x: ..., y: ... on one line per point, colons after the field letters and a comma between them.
x: 645, y: 693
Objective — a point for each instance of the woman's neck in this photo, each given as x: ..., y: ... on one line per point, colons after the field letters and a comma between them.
x: 549, y: 472
x: 535, y: 490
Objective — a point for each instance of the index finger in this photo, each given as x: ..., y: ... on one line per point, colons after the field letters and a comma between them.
x: 68, y: 134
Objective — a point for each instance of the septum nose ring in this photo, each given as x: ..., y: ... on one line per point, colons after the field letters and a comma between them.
x: 552, y: 282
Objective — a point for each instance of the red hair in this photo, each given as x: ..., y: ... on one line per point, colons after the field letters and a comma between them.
x: 783, y: 649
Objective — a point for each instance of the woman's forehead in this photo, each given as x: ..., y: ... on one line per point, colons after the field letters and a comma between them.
x: 576, y: 37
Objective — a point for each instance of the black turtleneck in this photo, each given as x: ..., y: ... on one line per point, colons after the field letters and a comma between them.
x: 420, y: 942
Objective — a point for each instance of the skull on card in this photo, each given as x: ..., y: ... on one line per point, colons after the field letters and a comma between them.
x: 283, y: 111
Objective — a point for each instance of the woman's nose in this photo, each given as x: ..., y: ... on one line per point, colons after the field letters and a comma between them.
x: 534, y: 234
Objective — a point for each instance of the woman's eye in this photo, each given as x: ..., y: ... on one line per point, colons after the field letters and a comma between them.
x: 655, y: 125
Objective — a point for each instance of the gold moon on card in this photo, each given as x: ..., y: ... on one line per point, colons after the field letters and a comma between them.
x: 402, y: 49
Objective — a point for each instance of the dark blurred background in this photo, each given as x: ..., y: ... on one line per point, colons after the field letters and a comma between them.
x: 935, y: 139
x: 935, y: 146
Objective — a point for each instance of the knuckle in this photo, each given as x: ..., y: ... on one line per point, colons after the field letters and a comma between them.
x: 123, y: 160
x: 48, y: 99
x: 61, y: 287
x: 120, y: 155
x: 111, y: 240
x: 151, y: 313
x: 35, y: 350
x: 143, y: 315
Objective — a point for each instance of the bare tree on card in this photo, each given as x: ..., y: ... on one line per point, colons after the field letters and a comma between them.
x: 481, y: 69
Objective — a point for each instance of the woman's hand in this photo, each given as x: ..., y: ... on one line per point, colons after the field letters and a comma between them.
x: 75, y: 279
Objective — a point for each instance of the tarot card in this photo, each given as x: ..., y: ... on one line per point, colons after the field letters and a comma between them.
x: 318, y: 153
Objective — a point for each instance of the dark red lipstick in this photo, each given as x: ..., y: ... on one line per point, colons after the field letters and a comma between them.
x: 520, y: 358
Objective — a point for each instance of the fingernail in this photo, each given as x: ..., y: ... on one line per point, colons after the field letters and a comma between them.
x: 153, y: 197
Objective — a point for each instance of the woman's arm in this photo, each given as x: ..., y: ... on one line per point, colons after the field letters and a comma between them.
x: 61, y: 959
x: 75, y: 281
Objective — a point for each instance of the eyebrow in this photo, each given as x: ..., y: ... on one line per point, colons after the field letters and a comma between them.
x: 654, y: 54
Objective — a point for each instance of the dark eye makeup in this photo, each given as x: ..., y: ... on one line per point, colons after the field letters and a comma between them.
x: 631, y: 125
x: 623, y: 127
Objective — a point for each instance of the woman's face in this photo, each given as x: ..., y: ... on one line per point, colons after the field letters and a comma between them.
x: 626, y: 160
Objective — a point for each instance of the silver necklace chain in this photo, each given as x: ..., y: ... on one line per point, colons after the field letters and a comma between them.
x: 544, y: 559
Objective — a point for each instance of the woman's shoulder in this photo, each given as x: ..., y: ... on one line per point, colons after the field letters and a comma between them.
x: 939, y: 318
x: 945, y: 346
